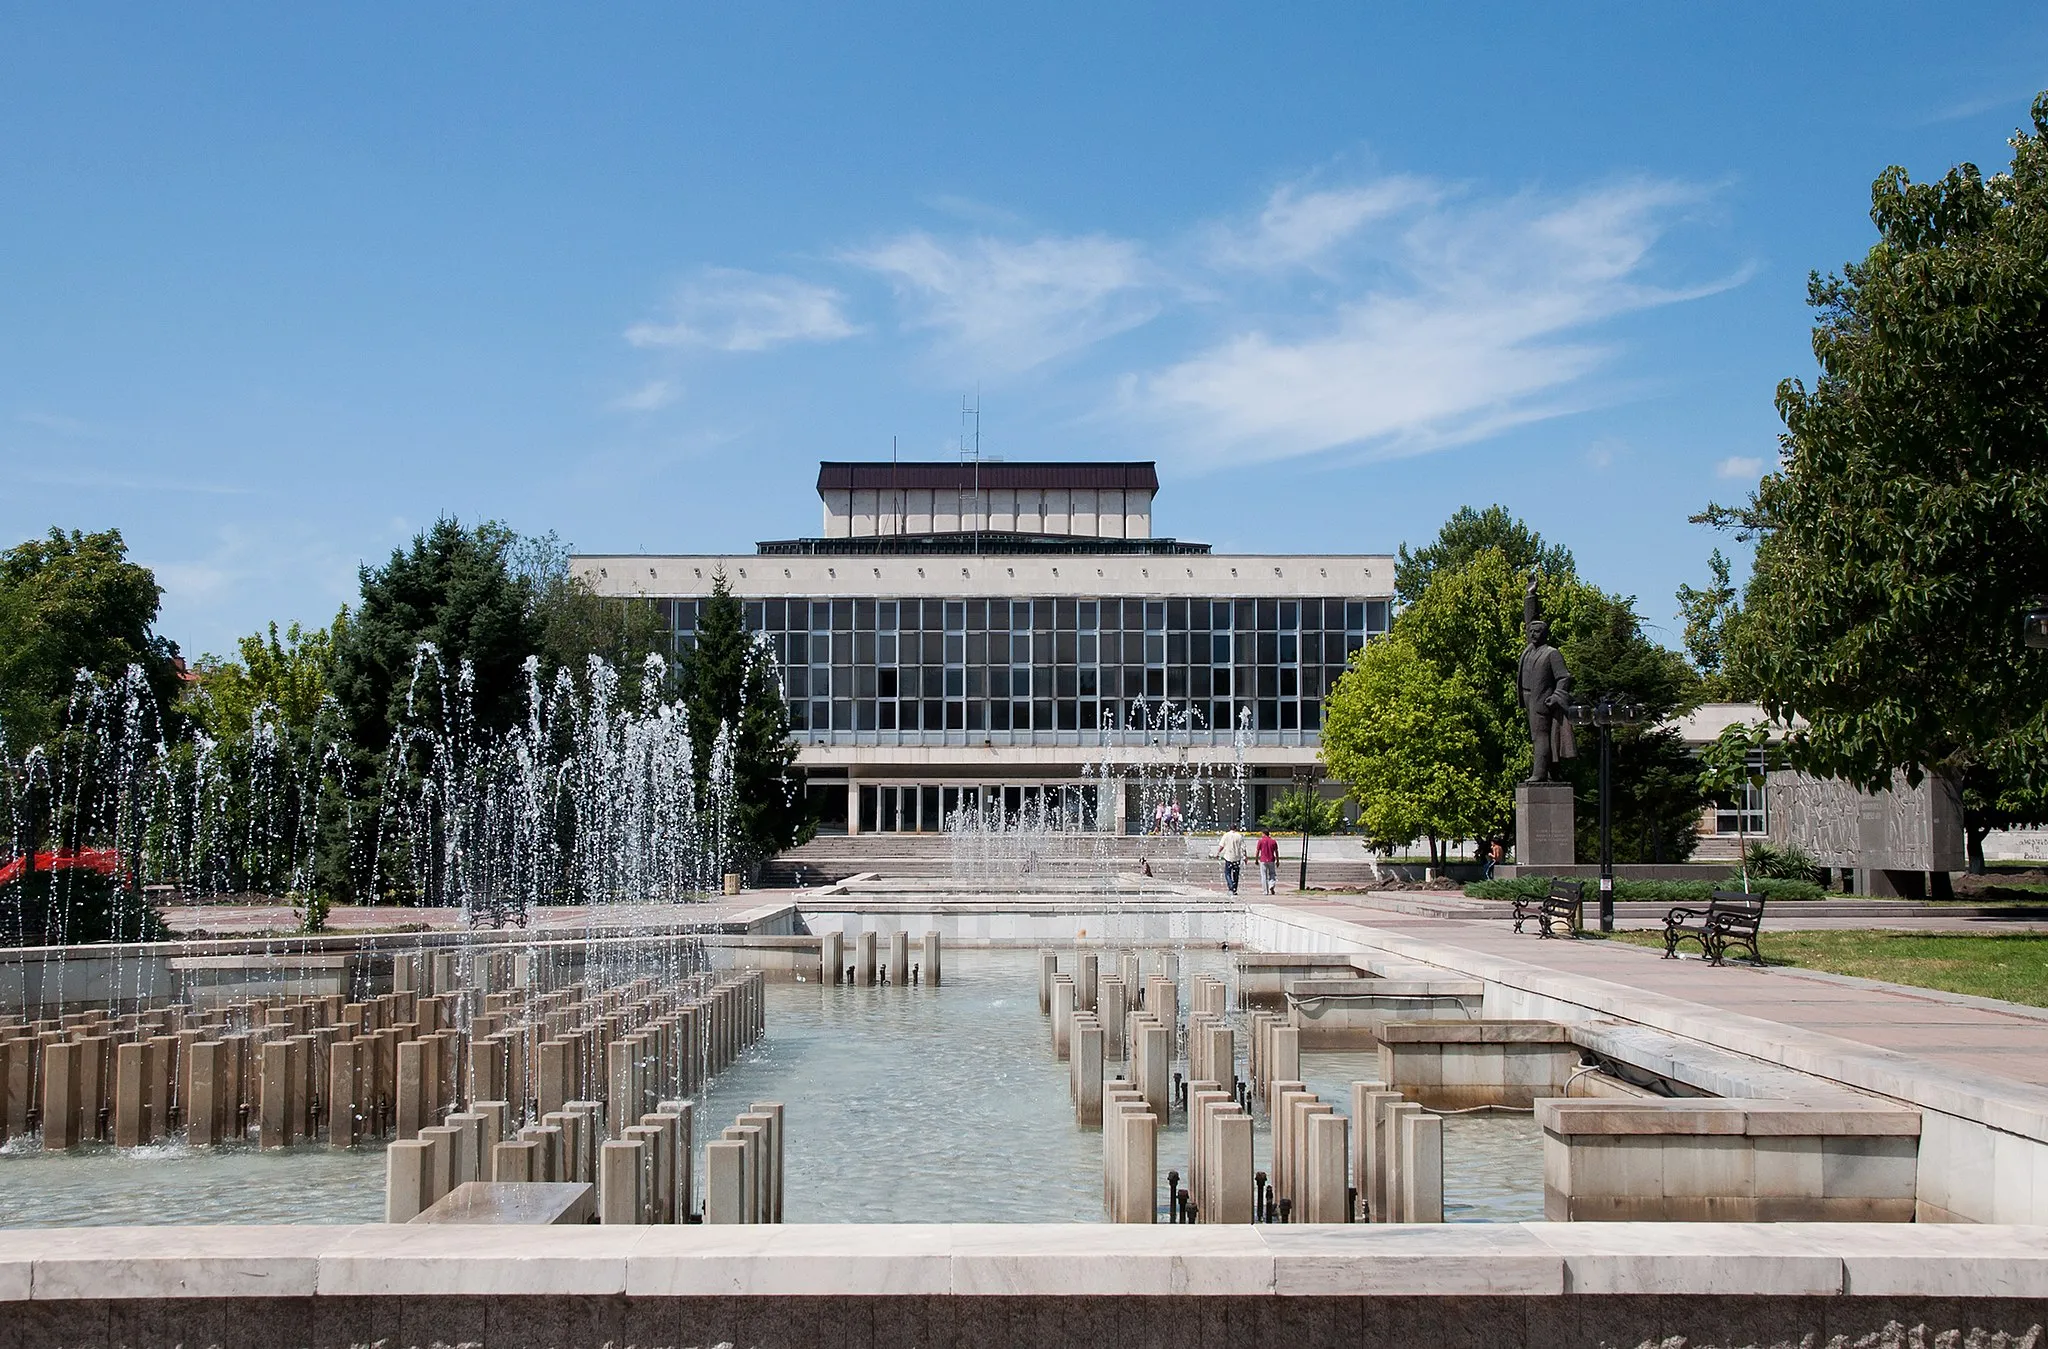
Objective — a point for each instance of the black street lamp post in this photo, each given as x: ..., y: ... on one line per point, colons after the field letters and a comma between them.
x: 1304, y: 783
x: 1605, y: 715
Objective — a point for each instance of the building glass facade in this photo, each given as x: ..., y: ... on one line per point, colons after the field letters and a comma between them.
x: 1054, y: 671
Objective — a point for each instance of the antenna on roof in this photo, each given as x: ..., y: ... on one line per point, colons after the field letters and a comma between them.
x: 973, y: 455
x: 895, y: 493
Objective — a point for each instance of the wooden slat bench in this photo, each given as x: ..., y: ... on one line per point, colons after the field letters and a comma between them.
x: 1563, y: 905
x: 1731, y: 918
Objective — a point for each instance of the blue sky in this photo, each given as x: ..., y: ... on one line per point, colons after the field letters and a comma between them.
x: 281, y: 284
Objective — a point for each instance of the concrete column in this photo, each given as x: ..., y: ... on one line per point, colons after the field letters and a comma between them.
x: 551, y: 1162
x: 63, y: 1116
x: 518, y: 1162
x: 832, y: 959
x: 624, y: 1102
x: 1085, y: 986
x: 95, y: 1085
x: 932, y: 959
x: 685, y: 1145
x: 1087, y: 1073
x: 864, y: 959
x: 202, y: 1095
x: 1139, y: 1169
x: 17, y: 1072
x: 552, y: 1086
x: 408, y: 1175
x: 162, y: 1062
x: 725, y: 1181
x: 343, y: 1110
x: 1062, y: 1017
x: 619, y: 1197
x: 1329, y: 1147
x: 768, y: 1164
x: 1112, y: 1010
x: 777, y: 1142
x: 1361, y: 1144
x: 1152, y: 1066
x: 1230, y: 1143
x: 1394, y: 1159
x: 1048, y: 966
x: 1286, y: 1098
x: 1284, y: 1046
x: 472, y: 1147
x: 1422, y: 1168
x: 899, y: 958
x: 412, y: 1089
x: 274, y: 1121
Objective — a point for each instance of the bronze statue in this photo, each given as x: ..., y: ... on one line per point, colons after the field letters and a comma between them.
x: 1546, y: 688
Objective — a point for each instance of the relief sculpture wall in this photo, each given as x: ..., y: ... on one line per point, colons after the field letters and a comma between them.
x: 1903, y: 829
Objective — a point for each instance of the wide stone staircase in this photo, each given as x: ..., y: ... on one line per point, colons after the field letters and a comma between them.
x: 1067, y: 858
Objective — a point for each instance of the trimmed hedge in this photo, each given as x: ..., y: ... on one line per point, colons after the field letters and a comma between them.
x: 1651, y: 892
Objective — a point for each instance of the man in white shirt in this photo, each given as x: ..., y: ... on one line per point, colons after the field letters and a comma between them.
x: 1231, y: 849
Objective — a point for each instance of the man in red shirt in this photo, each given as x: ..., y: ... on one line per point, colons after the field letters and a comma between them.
x: 1269, y: 860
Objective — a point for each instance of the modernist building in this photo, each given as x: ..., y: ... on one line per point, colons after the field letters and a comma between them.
x: 982, y: 633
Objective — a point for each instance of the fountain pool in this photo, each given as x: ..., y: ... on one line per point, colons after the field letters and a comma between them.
x: 904, y: 1105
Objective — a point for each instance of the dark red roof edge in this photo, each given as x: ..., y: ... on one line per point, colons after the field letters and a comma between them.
x: 954, y: 476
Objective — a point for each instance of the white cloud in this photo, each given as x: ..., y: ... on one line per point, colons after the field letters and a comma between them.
x: 1740, y: 466
x: 1459, y: 324
x: 726, y: 309
x: 1006, y: 306
x: 1299, y: 228
x: 652, y: 396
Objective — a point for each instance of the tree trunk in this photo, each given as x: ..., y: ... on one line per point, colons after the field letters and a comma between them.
x: 1976, y: 834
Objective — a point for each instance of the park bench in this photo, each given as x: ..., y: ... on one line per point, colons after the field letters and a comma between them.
x: 1563, y: 905
x: 1731, y: 918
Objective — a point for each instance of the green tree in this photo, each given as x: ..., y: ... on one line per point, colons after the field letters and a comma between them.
x: 455, y: 593
x: 573, y: 622
x: 292, y: 676
x: 731, y: 689
x: 1302, y: 811
x: 72, y: 602
x: 1401, y: 736
x: 1711, y: 614
x: 1908, y: 522
x: 1466, y: 535
x: 1738, y: 760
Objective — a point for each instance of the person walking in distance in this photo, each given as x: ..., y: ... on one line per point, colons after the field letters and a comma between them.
x: 1231, y: 849
x: 1269, y: 861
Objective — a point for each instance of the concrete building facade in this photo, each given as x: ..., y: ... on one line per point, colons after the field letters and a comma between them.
x: 1012, y: 636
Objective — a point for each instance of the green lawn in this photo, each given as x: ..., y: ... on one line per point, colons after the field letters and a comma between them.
x: 2012, y: 966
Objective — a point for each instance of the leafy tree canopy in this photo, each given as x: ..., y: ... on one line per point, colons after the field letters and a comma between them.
x: 1908, y: 523
x: 1400, y: 734
x: 573, y: 622
x: 1301, y: 811
x: 1467, y: 534
x: 730, y: 686
x: 72, y: 602
x: 452, y: 591
x: 291, y: 676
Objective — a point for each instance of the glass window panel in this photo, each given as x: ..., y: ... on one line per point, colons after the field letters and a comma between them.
x: 956, y: 648
x: 977, y: 715
x: 956, y: 716
x: 1290, y: 615
x: 1087, y: 677
x: 1376, y: 616
x: 1269, y: 681
x: 1020, y: 615
x: 1155, y: 683
x: 866, y: 681
x: 842, y: 615
x: 885, y: 712
x: 1247, y: 615
x: 1312, y: 648
x: 1065, y: 614
x: 1041, y: 714
x: 778, y: 613
x: 885, y: 615
x: 842, y: 714
x: 1311, y: 715
x: 977, y: 682
x: 1134, y: 648
x: 1289, y: 715
x: 932, y: 649
x: 1269, y: 715
x: 1201, y: 681
x: 798, y: 678
x: 1066, y: 682
x: 1269, y: 615
x: 956, y: 683
x: 1065, y: 647
x: 977, y: 648
x: 1091, y: 714
x: 998, y: 715
x: 1085, y: 652
x: 1155, y: 649
x: 756, y: 617
x: 1090, y: 616
x: 1155, y: 616
x: 956, y: 616
x: 1220, y: 717
x: 885, y: 682
x: 1020, y: 716
x: 1354, y: 615
x: 1222, y: 682
x: 1068, y: 715
x: 1290, y: 648
x: 864, y: 715
x: 1290, y: 685
x: 821, y: 714
x: 799, y: 648
x: 864, y: 648
x: 1176, y: 615
x: 1219, y: 649
x: 934, y: 681
x: 1269, y: 648
x: 1177, y: 681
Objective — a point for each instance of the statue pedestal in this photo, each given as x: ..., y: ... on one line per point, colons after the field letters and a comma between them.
x: 1544, y: 827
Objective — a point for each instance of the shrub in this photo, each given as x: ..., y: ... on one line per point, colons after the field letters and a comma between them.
x: 1779, y: 862
x: 1651, y: 892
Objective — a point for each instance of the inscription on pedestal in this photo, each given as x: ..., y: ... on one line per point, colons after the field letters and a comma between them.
x: 1545, y: 834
